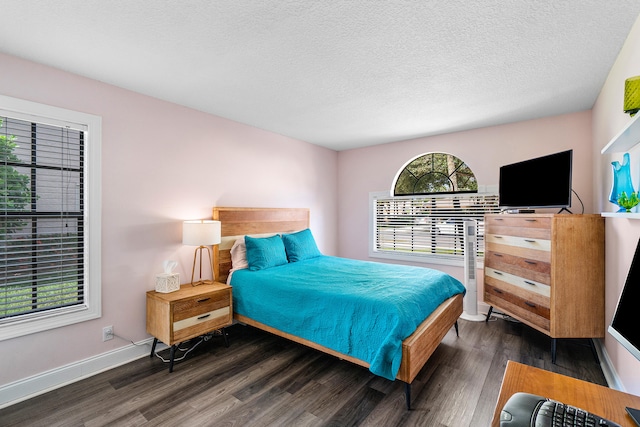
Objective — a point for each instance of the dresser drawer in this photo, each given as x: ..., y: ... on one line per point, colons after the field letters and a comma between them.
x: 527, y: 285
x: 528, y: 268
x: 531, y: 312
x: 538, y: 227
x: 200, y: 304
x: 526, y: 243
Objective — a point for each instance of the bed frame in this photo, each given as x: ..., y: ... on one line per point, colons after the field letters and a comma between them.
x: 416, y: 349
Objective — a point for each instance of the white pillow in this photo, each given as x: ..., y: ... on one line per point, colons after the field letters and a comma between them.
x: 239, y: 255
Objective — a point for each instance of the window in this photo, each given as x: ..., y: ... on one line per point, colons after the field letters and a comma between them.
x: 422, y: 221
x: 435, y: 173
x: 49, y: 217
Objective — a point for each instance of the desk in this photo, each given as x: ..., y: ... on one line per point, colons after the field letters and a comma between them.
x: 600, y: 400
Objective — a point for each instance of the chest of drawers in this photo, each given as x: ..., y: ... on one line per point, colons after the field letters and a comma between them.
x: 547, y: 270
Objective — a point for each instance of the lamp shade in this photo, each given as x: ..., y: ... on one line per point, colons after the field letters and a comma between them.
x: 201, y: 233
x: 632, y: 95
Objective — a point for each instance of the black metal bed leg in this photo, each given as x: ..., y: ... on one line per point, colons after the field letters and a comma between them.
x: 225, y: 336
x: 407, y: 395
x: 456, y: 326
x: 553, y: 350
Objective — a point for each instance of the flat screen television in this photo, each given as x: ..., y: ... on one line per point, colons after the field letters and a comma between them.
x: 624, y: 325
x: 543, y: 182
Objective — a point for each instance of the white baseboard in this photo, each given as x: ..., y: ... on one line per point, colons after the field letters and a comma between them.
x: 610, y: 374
x: 483, y: 308
x: 27, y: 388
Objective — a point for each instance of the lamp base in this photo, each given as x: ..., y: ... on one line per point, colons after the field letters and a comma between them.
x: 202, y: 282
x: 193, y: 270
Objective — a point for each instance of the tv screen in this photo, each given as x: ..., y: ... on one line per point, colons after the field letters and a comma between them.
x: 624, y: 326
x: 543, y: 182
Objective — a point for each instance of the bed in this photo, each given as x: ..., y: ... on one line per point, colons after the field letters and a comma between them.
x: 402, y: 359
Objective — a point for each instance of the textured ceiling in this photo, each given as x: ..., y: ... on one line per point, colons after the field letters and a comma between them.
x: 336, y: 73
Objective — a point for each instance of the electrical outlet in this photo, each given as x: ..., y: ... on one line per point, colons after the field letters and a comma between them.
x: 107, y: 333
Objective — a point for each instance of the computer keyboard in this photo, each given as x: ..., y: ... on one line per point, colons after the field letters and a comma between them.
x: 529, y: 410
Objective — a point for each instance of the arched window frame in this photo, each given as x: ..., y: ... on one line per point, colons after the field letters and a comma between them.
x: 450, y: 170
x: 428, y: 226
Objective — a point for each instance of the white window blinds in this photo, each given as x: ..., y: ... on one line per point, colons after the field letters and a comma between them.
x: 429, y: 226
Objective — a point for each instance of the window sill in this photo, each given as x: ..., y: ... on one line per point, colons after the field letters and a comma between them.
x: 421, y: 259
x: 50, y: 320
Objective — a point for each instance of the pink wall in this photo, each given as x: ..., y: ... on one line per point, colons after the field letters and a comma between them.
x: 373, y: 169
x: 621, y: 234
x: 161, y: 164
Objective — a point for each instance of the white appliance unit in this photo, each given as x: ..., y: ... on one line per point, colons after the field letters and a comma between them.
x: 470, y: 301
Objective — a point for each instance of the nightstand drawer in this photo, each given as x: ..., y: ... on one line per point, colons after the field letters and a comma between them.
x: 197, y: 305
x: 202, y: 323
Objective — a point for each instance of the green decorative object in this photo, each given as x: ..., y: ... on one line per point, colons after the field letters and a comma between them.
x: 627, y: 202
x: 632, y: 95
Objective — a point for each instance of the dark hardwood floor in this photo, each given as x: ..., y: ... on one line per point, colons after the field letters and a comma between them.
x: 263, y: 380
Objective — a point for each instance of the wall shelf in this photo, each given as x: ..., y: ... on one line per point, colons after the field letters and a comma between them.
x: 626, y: 139
x: 630, y: 215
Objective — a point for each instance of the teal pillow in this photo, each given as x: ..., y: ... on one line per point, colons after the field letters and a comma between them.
x: 300, y: 245
x: 265, y: 252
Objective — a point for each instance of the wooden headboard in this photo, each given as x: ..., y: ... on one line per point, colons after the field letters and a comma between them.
x: 237, y: 222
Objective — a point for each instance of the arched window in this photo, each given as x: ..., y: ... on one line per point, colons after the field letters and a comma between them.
x: 435, y: 173
x: 431, y: 197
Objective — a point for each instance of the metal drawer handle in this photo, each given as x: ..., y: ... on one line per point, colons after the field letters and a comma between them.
x: 204, y: 317
x: 204, y: 299
x: 530, y: 304
x: 530, y: 262
x: 497, y: 291
x: 529, y: 283
x: 529, y: 241
x: 498, y: 237
x: 497, y: 272
x: 498, y: 255
x: 531, y: 220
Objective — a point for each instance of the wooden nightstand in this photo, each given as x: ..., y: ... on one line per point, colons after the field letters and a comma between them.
x: 187, y: 313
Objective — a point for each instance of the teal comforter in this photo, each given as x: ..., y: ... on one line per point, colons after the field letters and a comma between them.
x: 359, y: 308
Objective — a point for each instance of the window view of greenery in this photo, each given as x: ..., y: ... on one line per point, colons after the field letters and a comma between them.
x: 435, y: 173
x: 40, y: 224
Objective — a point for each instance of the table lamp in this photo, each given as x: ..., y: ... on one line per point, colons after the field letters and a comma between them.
x: 201, y: 233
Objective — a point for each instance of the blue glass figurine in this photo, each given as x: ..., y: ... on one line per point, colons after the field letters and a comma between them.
x: 621, y: 180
